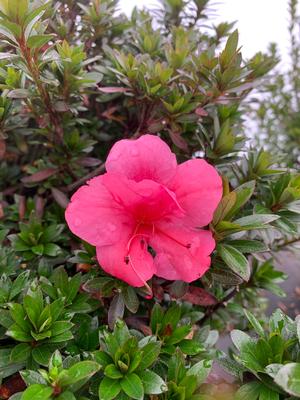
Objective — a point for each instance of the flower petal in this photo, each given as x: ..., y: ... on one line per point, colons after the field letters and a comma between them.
x: 128, y: 260
x: 181, y: 253
x: 148, y: 157
x: 145, y: 201
x: 198, y: 189
x: 94, y: 216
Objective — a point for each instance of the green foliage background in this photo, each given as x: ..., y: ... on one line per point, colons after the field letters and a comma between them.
x: 75, y: 77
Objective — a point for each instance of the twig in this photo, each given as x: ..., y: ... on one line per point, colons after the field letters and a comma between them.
x: 83, y: 179
x: 221, y: 304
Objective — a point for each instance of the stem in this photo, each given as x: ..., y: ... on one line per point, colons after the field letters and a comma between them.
x: 35, y: 73
x: 287, y: 243
x: 221, y: 304
x: 83, y: 179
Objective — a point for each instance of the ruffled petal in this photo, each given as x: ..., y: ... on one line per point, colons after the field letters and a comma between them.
x: 181, y: 253
x: 198, y: 189
x: 95, y: 216
x: 146, y: 201
x: 128, y: 260
x: 148, y: 157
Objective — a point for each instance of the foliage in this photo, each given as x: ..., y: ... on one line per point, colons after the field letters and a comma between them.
x: 75, y: 77
x: 272, y: 358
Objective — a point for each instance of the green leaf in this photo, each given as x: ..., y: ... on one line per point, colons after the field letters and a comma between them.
x: 37, y: 41
x: 66, y: 396
x: 38, y: 249
x: 200, y: 370
x: 32, y: 377
x: 153, y: 383
x: 150, y: 354
x: 235, y: 260
x: 250, y: 391
x: 59, y: 327
x: 18, y: 334
x: 190, y: 347
x: 132, y: 386
x: 111, y: 371
x: 5, y: 319
x: 20, y: 353
x: 224, y: 207
x: 109, y: 389
x: 255, y: 323
x: 240, y: 338
x: 42, y: 354
x: 63, y: 337
x: 78, y: 372
x: 256, y: 221
x: 19, y: 284
x: 18, y: 314
x: 33, y: 304
x: 51, y: 250
x: 171, y: 317
x: 130, y: 299
x: 102, y: 358
x: 37, y: 392
x: 248, y: 246
x: 156, y: 318
x: 288, y: 378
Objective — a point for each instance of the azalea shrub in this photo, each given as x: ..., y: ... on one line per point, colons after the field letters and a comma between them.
x: 138, y: 225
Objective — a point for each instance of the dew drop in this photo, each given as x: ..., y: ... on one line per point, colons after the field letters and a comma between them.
x: 116, y: 154
x: 77, y: 221
x: 147, y: 192
x: 112, y: 227
x: 134, y: 152
x: 187, y: 262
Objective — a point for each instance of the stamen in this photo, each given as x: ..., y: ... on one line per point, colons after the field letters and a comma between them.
x: 133, y: 237
x: 143, y: 280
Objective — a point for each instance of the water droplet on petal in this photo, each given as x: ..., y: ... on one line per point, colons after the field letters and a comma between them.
x: 115, y: 155
x: 187, y: 262
x: 112, y: 227
x: 134, y: 152
x: 147, y: 192
x: 77, y: 221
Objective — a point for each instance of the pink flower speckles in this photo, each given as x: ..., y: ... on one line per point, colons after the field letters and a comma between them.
x: 146, y: 199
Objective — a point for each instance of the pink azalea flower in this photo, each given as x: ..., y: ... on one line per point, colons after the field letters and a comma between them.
x: 145, y: 200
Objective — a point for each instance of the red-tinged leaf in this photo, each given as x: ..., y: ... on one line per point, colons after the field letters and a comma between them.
x: 39, y: 176
x: 39, y: 206
x: 1, y: 211
x: 22, y: 207
x: 178, y: 140
x: 139, y: 324
x: 199, y: 297
x: 81, y: 267
x: 177, y: 289
x: 2, y: 148
x: 116, y: 310
x: 201, y: 112
x: 12, y: 385
x: 89, y: 162
x: 113, y: 89
x: 60, y: 197
x: 158, y: 291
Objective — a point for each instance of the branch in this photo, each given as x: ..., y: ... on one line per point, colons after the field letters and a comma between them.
x: 221, y: 304
x: 83, y: 179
